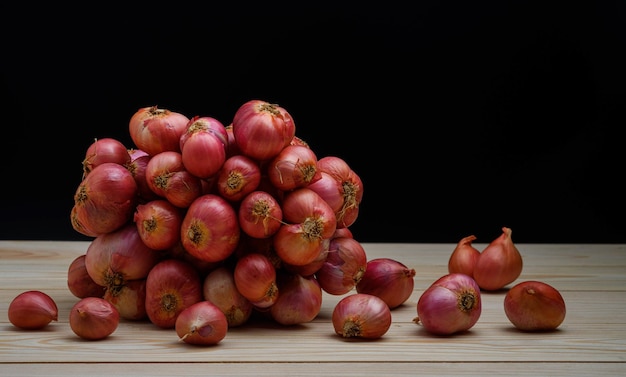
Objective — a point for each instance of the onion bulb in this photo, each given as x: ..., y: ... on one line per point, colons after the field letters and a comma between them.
x: 32, y: 310
x: 450, y: 305
x: 534, y: 306
x: 388, y: 279
x: 202, y: 323
x: 261, y: 129
x: 464, y: 257
x: 155, y: 130
x: 361, y: 315
x: 499, y: 264
x: 93, y: 318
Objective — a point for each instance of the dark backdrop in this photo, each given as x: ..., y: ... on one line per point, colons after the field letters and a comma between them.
x: 460, y: 117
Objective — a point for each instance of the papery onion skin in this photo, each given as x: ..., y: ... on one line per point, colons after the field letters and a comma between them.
x: 388, y: 279
x: 261, y: 129
x: 155, y: 130
x: 464, y: 257
x: 534, y: 306
x: 499, y: 264
x: 32, y: 310
x: 93, y: 318
x: 361, y: 315
x: 210, y: 230
x: 452, y: 304
x: 201, y: 324
x: 104, y: 200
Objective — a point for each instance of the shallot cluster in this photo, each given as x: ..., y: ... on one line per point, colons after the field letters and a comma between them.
x: 200, y: 224
x: 529, y: 305
x: 497, y: 265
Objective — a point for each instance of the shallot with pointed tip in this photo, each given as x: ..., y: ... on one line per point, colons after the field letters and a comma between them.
x: 464, y: 257
x: 499, y: 264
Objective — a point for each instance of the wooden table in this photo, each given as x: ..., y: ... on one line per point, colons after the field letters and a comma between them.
x: 590, y: 341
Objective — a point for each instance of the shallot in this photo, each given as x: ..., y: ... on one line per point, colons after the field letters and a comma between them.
x: 389, y: 279
x: 450, y: 305
x: 201, y: 324
x: 499, y: 264
x: 93, y: 318
x: 361, y: 315
x: 534, y: 306
x: 32, y: 310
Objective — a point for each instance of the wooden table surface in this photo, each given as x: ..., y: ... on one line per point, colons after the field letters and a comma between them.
x: 590, y: 341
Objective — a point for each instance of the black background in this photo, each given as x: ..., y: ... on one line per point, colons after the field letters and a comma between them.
x: 459, y: 117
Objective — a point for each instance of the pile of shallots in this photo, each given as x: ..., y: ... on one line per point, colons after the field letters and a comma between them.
x: 453, y: 303
x: 198, y: 226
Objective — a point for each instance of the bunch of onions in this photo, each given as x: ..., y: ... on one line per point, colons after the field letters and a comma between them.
x: 244, y: 217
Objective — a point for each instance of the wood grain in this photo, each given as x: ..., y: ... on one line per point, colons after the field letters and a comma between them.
x: 591, y: 340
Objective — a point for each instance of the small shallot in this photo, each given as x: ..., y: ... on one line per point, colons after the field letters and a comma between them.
x: 255, y: 279
x: 300, y: 299
x: 450, y: 305
x: 499, y: 264
x: 104, y: 200
x: 202, y: 146
x: 158, y: 223
x: 219, y: 288
x: 32, y: 310
x: 343, y: 267
x: 361, y: 315
x: 171, y: 286
x: 210, y: 230
x: 156, y: 130
x: 464, y: 257
x: 105, y: 150
x: 93, y: 318
x: 388, y: 279
x: 257, y: 120
x: 534, y: 306
x: 201, y: 324
x: 79, y: 282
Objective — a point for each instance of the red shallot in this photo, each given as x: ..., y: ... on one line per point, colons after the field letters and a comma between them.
x: 450, y: 305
